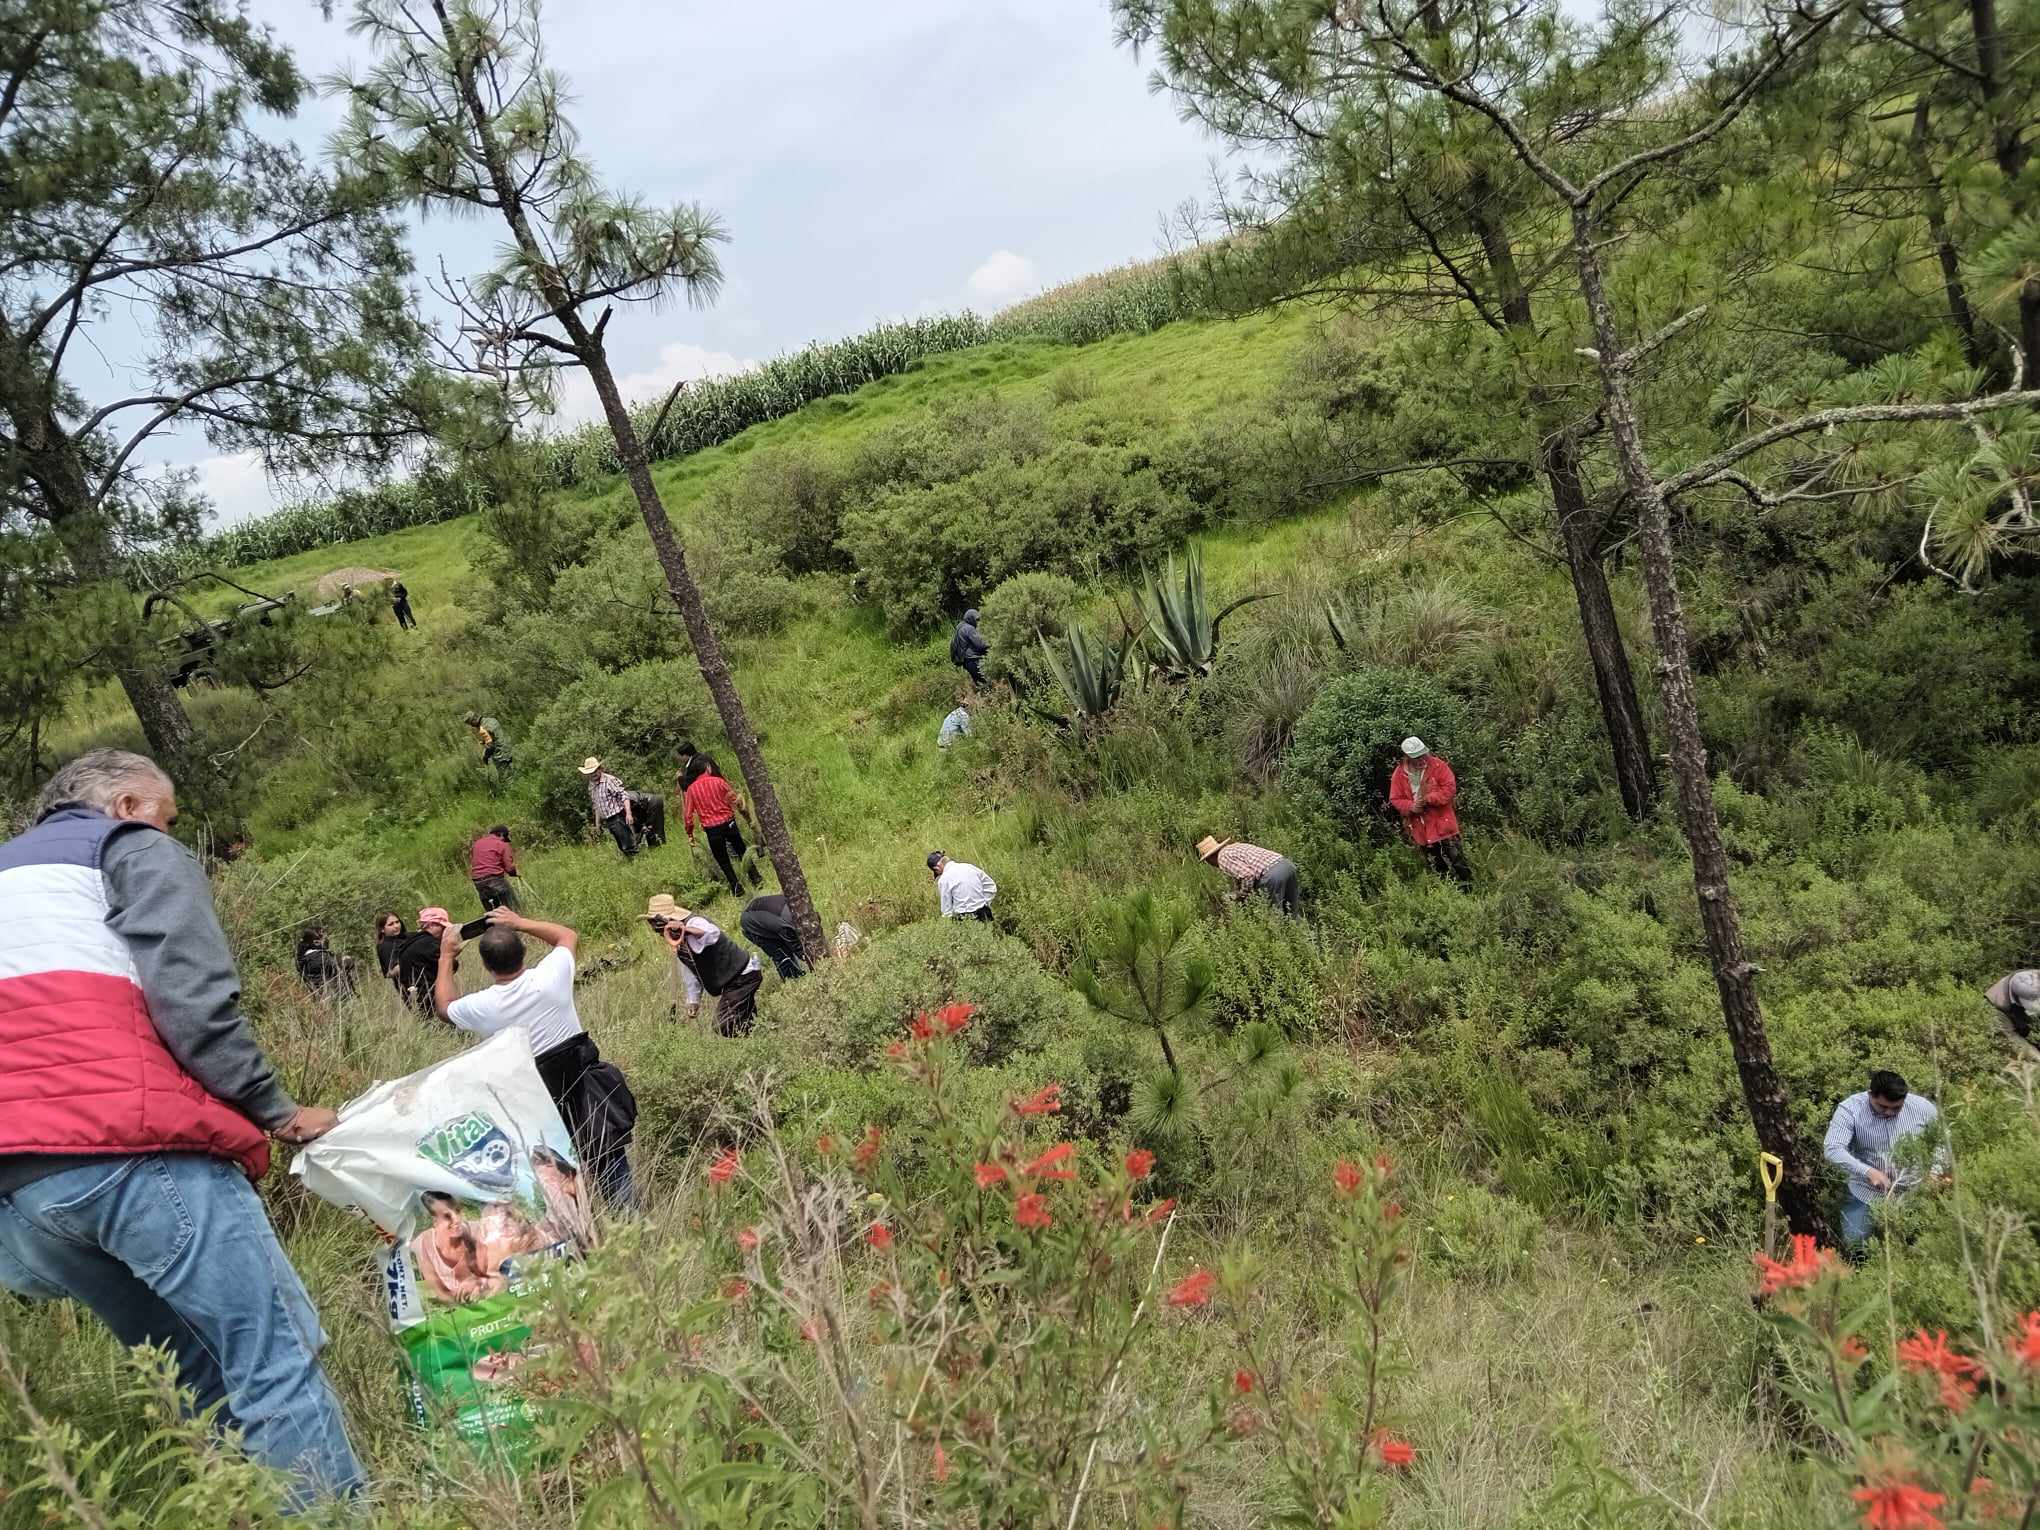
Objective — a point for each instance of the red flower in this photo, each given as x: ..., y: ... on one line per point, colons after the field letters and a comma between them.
x: 736, y: 1290
x: 724, y: 1169
x: 1160, y: 1210
x: 825, y: 1144
x: 1394, y: 1452
x: 1048, y: 1165
x: 1854, y: 1350
x: 1892, y: 1503
x: 922, y: 1029
x: 1140, y: 1163
x: 954, y: 1017
x: 1243, y: 1382
x: 1031, y: 1210
x: 941, y: 1472
x: 747, y: 1238
x: 1045, y: 1101
x: 867, y: 1149
x: 2024, y: 1341
x: 1382, y: 1163
x: 896, y: 1050
x: 1808, y: 1263
x: 808, y: 1330
x: 990, y: 1174
x: 1931, y: 1355
x: 1347, y: 1178
x: 1193, y: 1290
x: 879, y: 1236
x: 1392, y: 1212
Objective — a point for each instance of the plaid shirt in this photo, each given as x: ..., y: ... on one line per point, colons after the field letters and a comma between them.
x: 1246, y: 863
x: 607, y: 793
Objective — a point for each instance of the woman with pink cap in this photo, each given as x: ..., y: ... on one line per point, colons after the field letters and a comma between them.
x: 417, y: 958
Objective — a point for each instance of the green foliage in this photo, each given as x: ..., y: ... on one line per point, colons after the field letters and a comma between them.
x: 633, y: 721
x: 1477, y: 1235
x: 1181, y: 629
x: 1090, y: 670
x: 1351, y: 738
x: 1138, y: 971
x: 1023, y: 612
x: 1267, y: 969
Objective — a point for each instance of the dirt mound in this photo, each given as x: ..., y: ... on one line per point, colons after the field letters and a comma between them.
x: 330, y: 585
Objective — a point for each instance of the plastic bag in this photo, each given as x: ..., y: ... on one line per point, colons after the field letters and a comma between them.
x: 468, y: 1169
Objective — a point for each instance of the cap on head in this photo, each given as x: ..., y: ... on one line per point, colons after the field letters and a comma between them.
x: 1414, y: 747
x: 590, y: 765
x: 936, y: 858
x: 1208, y: 847
x: 433, y: 915
x: 501, y: 831
x: 662, y: 906
x: 473, y: 719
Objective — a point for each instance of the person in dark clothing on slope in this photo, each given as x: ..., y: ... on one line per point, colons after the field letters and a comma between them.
x: 710, y: 962
x: 400, y: 603
x: 710, y: 802
x: 390, y: 935
x: 967, y: 647
x: 418, y: 958
x: 327, y: 975
x: 648, y: 813
x: 767, y: 925
x: 491, y: 864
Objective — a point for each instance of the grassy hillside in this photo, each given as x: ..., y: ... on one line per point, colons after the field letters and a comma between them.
x: 1542, y: 1057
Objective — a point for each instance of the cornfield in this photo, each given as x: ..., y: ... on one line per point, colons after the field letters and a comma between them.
x: 1134, y: 299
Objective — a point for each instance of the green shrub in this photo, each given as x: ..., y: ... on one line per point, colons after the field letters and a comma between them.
x: 1016, y: 615
x: 632, y: 721
x: 790, y: 501
x: 849, y: 1011
x: 1474, y: 1234
x: 1268, y: 968
x: 1351, y: 737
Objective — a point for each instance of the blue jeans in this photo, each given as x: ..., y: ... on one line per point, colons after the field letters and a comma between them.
x: 176, y: 1250
x: 1857, y: 1221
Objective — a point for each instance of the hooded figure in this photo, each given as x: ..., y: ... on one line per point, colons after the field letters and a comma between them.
x: 967, y: 647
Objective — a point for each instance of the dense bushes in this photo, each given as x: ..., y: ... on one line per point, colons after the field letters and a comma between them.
x: 633, y: 721
x: 1350, y: 739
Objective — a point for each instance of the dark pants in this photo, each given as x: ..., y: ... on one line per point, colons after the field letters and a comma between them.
x: 1448, y: 859
x: 726, y: 844
x: 737, y: 1004
x: 496, y: 892
x: 973, y: 666
x: 1279, y: 882
x: 622, y: 833
x: 984, y: 913
x: 404, y: 616
x: 649, y: 810
x: 777, y: 938
x: 599, y: 1111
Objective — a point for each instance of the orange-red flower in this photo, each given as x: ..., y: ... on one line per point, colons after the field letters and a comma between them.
x: 1193, y: 1290
x: 825, y: 1144
x: 1382, y: 1163
x: 1050, y: 1164
x: 1854, y: 1350
x: 1347, y: 1178
x: 1159, y: 1212
x: 808, y: 1330
x: 1807, y: 1264
x: 747, y: 1238
x: 896, y: 1050
x: 867, y: 1149
x: 725, y: 1167
x: 1929, y: 1353
x: 954, y: 1017
x: 1045, y: 1101
x: 1243, y: 1382
x: 2024, y: 1341
x: 923, y: 1028
x: 1890, y: 1502
x: 736, y: 1290
x: 1031, y: 1210
x: 941, y: 1472
x: 1140, y: 1163
x: 1394, y: 1452
x: 990, y: 1174
x: 879, y: 1236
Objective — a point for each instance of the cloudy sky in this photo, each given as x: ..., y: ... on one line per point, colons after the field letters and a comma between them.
x: 870, y: 160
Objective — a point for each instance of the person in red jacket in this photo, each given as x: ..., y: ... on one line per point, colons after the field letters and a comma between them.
x: 1422, y: 788
x: 707, y: 800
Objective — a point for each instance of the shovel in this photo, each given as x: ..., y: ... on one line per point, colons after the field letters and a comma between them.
x: 1771, y: 1169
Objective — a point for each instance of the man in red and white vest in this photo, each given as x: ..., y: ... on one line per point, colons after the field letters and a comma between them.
x: 135, y: 1111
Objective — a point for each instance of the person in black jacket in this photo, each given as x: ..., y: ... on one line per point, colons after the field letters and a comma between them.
x: 400, y: 603
x: 327, y: 975
x: 710, y: 962
x: 418, y: 959
x: 967, y: 647
x: 766, y: 924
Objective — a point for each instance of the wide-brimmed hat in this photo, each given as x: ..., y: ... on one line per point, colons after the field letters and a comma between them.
x: 662, y: 906
x: 433, y: 915
x: 590, y: 765
x: 1208, y: 847
x: 1414, y: 747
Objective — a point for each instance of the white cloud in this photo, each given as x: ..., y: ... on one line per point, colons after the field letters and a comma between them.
x: 678, y: 360
x: 1003, y: 278
x: 237, y: 486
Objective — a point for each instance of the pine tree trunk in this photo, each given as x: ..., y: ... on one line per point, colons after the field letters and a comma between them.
x: 1935, y: 205
x: 1734, y: 975
x: 715, y: 669
x: 1621, y: 711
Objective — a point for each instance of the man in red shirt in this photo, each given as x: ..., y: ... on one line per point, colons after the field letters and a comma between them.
x: 1422, y: 788
x: 708, y: 800
x: 491, y: 864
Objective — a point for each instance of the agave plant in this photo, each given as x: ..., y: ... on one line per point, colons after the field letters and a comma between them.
x: 1092, y: 671
x: 1185, y: 632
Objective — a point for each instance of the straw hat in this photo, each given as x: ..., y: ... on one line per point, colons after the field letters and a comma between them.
x: 590, y: 765
x: 662, y: 906
x: 433, y: 915
x: 1208, y: 848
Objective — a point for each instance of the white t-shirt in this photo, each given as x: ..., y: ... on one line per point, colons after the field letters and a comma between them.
x: 540, y: 998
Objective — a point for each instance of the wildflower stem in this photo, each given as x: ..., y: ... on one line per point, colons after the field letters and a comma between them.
x: 1112, y: 1380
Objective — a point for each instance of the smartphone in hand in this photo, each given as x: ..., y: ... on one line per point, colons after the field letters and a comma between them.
x: 474, y: 927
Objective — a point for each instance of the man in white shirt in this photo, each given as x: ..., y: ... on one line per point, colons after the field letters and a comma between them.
x: 593, y: 1098
x: 964, y: 890
x: 710, y: 962
x: 1861, y: 1137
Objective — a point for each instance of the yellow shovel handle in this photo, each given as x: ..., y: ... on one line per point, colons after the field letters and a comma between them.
x: 1772, y: 1168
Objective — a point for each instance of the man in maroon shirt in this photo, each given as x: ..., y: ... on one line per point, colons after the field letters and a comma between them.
x: 491, y: 864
